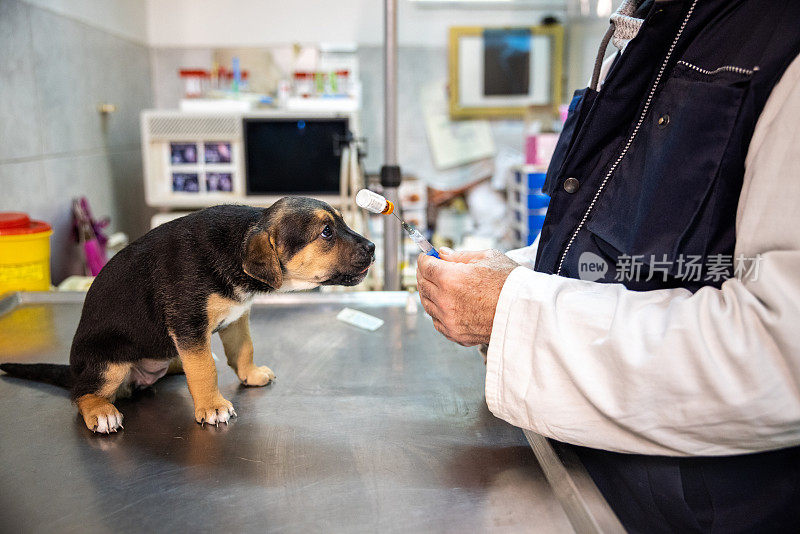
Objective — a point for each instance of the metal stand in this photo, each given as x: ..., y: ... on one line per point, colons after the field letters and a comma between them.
x: 390, y: 172
x: 351, y: 150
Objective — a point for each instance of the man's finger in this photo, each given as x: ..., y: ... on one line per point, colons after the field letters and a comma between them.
x: 425, y: 287
x: 464, y: 256
x: 431, y: 308
x: 439, y: 326
x: 440, y: 272
x: 430, y: 268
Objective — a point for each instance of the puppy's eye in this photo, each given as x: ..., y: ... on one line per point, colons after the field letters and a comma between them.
x: 327, y: 233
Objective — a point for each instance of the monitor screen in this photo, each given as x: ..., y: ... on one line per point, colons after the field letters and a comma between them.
x: 284, y: 156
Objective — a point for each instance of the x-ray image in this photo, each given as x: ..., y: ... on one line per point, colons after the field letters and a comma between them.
x: 507, y: 60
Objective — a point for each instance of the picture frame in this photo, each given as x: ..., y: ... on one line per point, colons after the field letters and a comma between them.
x: 503, y: 72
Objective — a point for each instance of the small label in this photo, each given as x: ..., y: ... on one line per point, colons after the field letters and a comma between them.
x: 15, y: 273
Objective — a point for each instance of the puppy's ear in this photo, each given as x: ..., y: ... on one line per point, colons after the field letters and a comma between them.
x: 261, y: 259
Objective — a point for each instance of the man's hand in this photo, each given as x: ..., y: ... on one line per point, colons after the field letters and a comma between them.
x: 460, y: 292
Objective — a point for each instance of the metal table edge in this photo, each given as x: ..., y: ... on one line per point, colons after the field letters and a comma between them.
x: 584, y: 505
x: 10, y: 300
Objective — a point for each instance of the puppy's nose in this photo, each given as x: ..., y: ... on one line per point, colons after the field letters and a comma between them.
x: 370, y: 246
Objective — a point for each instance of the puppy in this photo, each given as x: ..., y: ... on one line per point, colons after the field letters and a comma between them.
x: 154, y: 306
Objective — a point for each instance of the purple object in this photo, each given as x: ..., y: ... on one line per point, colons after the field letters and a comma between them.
x: 97, y: 226
x: 95, y: 256
x: 89, y: 234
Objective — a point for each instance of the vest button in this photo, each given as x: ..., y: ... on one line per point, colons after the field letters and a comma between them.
x: 663, y: 121
x: 571, y: 185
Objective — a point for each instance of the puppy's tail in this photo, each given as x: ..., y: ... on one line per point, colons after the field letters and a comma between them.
x: 49, y: 373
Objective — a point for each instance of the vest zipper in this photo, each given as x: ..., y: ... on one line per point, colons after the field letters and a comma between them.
x: 725, y: 68
x: 630, y: 138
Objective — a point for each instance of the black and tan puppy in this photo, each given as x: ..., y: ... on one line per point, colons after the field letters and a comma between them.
x: 155, y: 305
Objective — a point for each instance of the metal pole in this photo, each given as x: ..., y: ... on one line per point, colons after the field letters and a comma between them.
x: 390, y: 172
x: 390, y: 83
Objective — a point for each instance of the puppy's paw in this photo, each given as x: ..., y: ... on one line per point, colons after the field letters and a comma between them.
x: 216, y: 412
x: 258, y: 376
x: 103, y: 419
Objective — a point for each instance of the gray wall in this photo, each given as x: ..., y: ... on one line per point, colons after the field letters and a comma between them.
x: 417, y: 68
x: 54, y: 145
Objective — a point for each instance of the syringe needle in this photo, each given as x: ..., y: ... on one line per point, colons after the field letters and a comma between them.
x: 375, y: 203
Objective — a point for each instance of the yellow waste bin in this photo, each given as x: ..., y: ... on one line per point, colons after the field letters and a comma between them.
x: 24, y: 253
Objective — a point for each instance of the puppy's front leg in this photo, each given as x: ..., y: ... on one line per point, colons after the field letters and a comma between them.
x: 239, y: 352
x: 201, y: 375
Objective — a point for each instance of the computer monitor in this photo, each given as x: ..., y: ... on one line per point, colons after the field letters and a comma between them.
x: 293, y: 156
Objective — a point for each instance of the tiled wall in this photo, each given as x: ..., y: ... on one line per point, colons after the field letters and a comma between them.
x: 54, y: 144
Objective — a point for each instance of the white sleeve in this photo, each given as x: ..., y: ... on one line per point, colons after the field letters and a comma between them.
x: 670, y: 372
x: 525, y: 256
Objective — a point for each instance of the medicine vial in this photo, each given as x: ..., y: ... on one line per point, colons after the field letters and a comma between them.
x: 371, y: 201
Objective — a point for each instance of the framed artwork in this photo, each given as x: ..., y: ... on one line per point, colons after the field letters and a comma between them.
x: 501, y: 72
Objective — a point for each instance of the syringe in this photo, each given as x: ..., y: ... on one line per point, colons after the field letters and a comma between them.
x: 371, y: 201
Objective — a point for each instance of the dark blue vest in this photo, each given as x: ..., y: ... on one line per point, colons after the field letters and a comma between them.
x: 646, y: 180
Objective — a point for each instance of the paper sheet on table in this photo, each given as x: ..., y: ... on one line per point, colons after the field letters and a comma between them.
x: 360, y: 319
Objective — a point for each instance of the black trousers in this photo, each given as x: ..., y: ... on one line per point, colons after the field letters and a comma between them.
x: 749, y: 493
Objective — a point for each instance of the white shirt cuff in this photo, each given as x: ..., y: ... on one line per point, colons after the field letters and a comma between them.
x: 517, y: 283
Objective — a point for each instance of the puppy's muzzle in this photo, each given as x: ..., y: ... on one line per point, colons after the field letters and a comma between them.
x: 365, y: 256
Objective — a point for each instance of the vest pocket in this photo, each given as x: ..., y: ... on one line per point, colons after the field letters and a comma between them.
x: 581, y: 101
x: 653, y: 204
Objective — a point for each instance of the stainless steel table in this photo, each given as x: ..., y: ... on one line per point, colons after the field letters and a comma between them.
x: 361, y: 432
